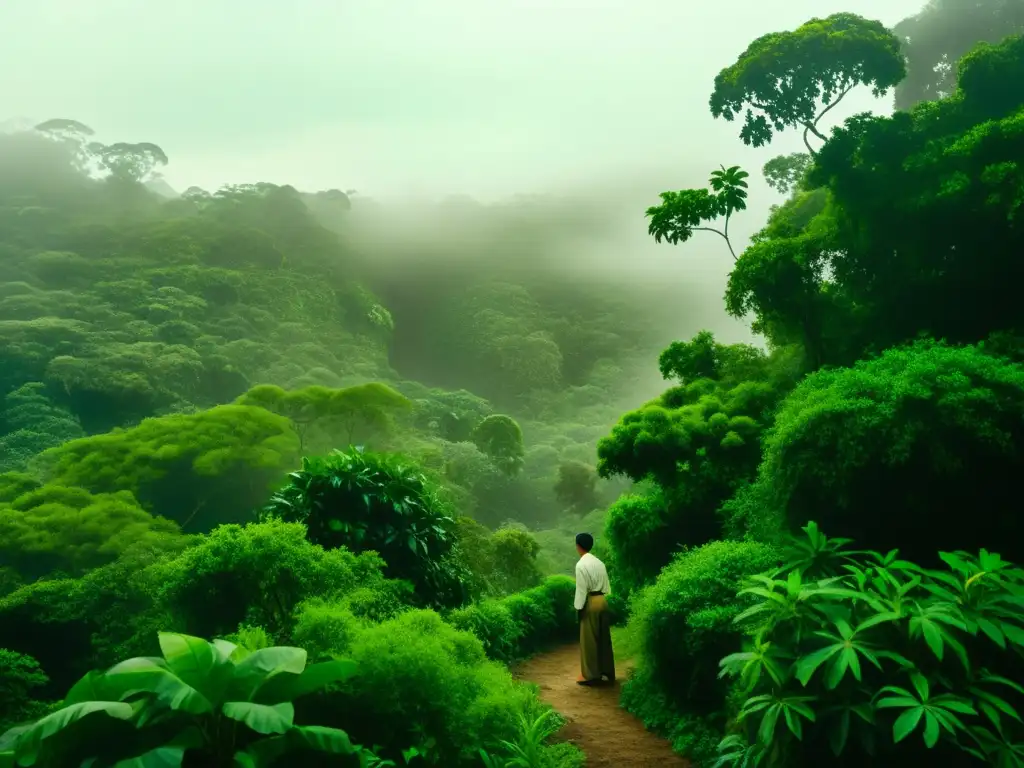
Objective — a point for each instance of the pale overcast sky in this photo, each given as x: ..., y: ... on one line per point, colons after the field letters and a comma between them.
x: 485, y: 97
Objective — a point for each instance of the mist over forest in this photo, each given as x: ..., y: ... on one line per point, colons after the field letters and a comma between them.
x: 324, y: 332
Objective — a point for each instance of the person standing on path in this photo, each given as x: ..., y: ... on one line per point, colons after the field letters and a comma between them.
x: 592, y: 589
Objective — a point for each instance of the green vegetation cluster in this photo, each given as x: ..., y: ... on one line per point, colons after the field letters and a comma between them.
x: 886, y: 414
x: 264, y: 503
x: 220, y: 460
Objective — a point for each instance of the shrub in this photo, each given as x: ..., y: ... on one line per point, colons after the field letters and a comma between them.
x: 369, y: 501
x: 515, y: 559
x: 21, y: 678
x: 861, y: 657
x: 684, y: 625
x: 520, y: 624
x: 256, y: 574
x: 636, y: 531
x: 425, y: 683
x: 69, y: 530
x: 324, y: 628
x: 200, y: 470
x: 919, y: 434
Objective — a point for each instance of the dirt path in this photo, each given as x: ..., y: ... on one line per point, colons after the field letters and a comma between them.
x: 608, y: 734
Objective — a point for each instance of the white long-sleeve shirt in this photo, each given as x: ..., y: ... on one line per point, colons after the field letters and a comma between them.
x: 591, y: 576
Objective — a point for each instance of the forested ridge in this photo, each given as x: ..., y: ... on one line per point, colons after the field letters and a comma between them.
x: 270, y: 498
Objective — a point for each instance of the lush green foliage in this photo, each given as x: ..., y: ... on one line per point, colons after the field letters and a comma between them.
x: 785, y: 75
x: 254, y: 575
x: 889, y: 276
x: 200, y: 470
x: 919, y: 434
x: 516, y: 626
x: 210, y: 704
x: 698, y: 443
x: 862, y: 656
x: 935, y: 39
x: 576, y: 486
x: 323, y: 417
x: 421, y: 682
x: 167, y: 361
x: 55, y: 529
x: 823, y: 273
x: 500, y: 438
x: 684, y: 622
x: 373, y: 502
x: 682, y: 213
x: 21, y: 677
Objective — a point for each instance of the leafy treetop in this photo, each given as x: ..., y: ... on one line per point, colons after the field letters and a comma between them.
x: 936, y: 38
x: 784, y: 75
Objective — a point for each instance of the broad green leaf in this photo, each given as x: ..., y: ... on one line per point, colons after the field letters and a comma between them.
x: 931, y: 730
x: 254, y: 670
x: 27, y: 745
x: 766, y: 732
x: 906, y: 723
x: 1013, y: 632
x: 161, y: 757
x: 169, y: 755
x: 955, y: 562
x: 897, y: 701
x: 920, y: 685
x: 153, y: 676
x: 89, y: 688
x: 262, y: 718
x: 933, y: 638
x: 314, y: 738
x: 838, y: 736
x: 990, y: 678
x: 315, y: 677
x: 878, y: 618
x: 197, y: 663
x: 837, y: 670
x: 806, y: 667
x: 993, y: 632
x: 793, y: 722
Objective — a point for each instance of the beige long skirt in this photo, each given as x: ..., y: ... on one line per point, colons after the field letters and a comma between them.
x: 596, y: 657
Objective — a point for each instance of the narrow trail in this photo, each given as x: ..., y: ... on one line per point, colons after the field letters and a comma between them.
x: 608, y: 734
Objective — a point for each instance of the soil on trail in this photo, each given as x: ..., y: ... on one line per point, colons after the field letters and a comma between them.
x: 608, y: 734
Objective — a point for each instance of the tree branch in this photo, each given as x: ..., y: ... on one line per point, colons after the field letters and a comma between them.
x: 812, y: 127
x: 829, y: 106
x: 721, y: 235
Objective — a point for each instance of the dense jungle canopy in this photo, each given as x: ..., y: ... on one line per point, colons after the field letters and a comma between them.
x: 273, y: 493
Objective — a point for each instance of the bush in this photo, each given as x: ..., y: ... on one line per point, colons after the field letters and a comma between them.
x: 920, y: 434
x: 636, y: 530
x: 684, y: 625
x: 425, y: 683
x: 515, y: 559
x: 369, y: 501
x: 324, y: 628
x: 69, y: 530
x: 255, y: 574
x: 521, y: 624
x: 21, y: 678
x: 860, y: 658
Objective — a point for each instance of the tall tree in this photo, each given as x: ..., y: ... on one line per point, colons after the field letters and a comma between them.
x: 793, y: 79
x: 935, y: 39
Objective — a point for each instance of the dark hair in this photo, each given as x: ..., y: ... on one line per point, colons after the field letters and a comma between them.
x: 585, y: 541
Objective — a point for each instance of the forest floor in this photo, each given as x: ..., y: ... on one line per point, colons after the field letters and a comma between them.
x: 607, y: 734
